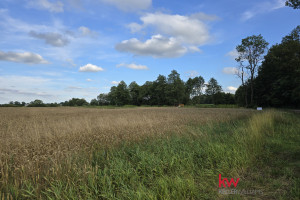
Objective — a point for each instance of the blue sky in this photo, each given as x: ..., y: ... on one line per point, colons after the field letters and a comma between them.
x: 59, y: 49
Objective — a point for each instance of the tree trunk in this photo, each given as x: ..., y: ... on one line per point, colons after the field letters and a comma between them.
x: 246, y: 96
x: 251, y: 99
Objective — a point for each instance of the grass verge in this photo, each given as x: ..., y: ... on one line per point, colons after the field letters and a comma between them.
x: 261, y: 151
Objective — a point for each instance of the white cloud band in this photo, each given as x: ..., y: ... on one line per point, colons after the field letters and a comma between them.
x: 25, y: 57
x: 90, y: 68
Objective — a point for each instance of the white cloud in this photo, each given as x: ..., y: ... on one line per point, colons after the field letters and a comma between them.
x: 54, y: 39
x: 85, y: 31
x: 186, y: 29
x: 134, y: 27
x: 89, y: 80
x: 262, y: 8
x: 90, y: 68
x: 130, y: 5
x: 230, y: 70
x: 231, y: 89
x: 133, y: 66
x: 158, y: 47
x: 233, y: 54
x: 46, y: 5
x: 25, y: 57
x: 115, y: 82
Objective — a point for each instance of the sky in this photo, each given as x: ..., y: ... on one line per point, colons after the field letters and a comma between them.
x: 54, y: 50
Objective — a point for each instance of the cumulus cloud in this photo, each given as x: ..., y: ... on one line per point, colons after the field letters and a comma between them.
x: 186, y: 29
x: 130, y: 5
x: 25, y: 57
x: 89, y: 80
x: 115, y: 82
x: 157, y: 47
x: 133, y: 66
x: 54, y: 39
x: 47, y: 5
x: 231, y: 89
x: 230, y: 70
x: 90, y: 68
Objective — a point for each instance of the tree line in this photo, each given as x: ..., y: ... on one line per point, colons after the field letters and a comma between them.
x: 170, y: 91
x: 272, y: 80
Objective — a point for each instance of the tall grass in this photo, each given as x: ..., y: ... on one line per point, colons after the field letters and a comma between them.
x: 182, y: 164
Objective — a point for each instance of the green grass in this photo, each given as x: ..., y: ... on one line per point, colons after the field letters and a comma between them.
x: 262, y: 151
x: 215, y: 106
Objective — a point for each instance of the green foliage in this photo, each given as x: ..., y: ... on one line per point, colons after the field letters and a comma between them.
x: 134, y: 91
x: 278, y: 80
x: 94, y: 102
x: 165, y: 91
x: 293, y: 3
x: 36, y: 103
x: 279, y: 76
x: 75, y: 102
x: 213, y: 90
x: 175, y: 89
x: 122, y: 94
x: 103, y: 99
x: 194, y: 88
x: 159, y: 94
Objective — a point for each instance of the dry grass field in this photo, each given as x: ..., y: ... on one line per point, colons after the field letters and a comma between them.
x: 35, y: 136
x: 43, y: 150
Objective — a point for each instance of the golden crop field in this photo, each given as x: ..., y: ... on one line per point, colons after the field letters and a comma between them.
x: 36, y: 138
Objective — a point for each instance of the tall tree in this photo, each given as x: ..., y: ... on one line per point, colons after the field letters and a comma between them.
x: 175, y: 89
x: 146, y: 93
x: 94, y: 102
x: 194, y: 88
x: 251, y: 52
x: 103, y: 99
x: 134, y: 91
x: 243, y: 75
x: 122, y: 94
x: 293, y: 3
x: 159, y: 90
x: 198, y: 85
x: 212, y: 88
x: 112, y: 96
